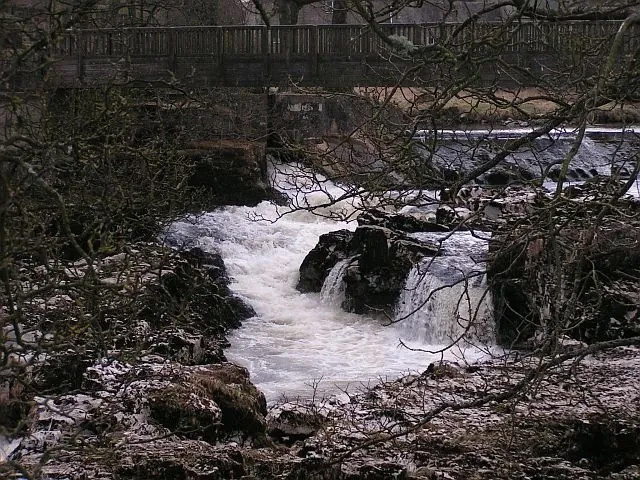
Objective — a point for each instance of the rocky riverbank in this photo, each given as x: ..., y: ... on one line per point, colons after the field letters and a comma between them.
x: 153, y: 367
x: 150, y: 394
x: 557, y: 266
x: 528, y: 417
x: 113, y: 362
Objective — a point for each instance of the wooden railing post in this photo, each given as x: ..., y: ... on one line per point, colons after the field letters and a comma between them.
x: 80, y: 56
x: 172, y: 49
x: 313, y: 50
x: 220, y: 45
x: 266, y: 51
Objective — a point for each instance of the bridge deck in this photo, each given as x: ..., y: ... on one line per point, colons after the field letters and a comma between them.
x: 316, y: 55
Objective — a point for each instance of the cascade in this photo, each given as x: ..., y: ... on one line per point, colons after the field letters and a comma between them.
x: 297, y: 339
x: 333, y: 288
x: 446, y: 298
x: 602, y: 150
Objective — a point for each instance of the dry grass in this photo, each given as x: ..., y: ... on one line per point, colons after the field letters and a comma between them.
x: 469, y: 108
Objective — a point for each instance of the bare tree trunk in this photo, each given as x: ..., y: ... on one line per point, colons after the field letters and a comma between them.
x: 339, y: 12
x: 288, y: 11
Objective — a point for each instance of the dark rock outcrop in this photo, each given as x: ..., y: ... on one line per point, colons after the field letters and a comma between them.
x: 404, y: 223
x: 376, y: 279
x: 199, y: 285
x: 331, y: 248
x: 579, y: 280
x: 381, y: 261
x: 231, y: 172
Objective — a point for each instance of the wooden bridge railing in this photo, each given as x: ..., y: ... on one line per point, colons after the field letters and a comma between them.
x: 336, y: 40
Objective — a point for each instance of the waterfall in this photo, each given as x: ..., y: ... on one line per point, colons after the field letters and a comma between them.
x: 446, y: 298
x: 297, y: 339
x: 333, y: 288
x: 602, y: 151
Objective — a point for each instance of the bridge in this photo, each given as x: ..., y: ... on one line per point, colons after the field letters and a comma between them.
x: 327, y: 55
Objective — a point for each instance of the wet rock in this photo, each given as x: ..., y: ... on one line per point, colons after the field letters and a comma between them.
x: 294, y: 423
x: 373, y: 291
x: 476, y: 205
x: 505, y: 175
x: 211, y: 262
x: 406, y: 222
x: 243, y: 406
x: 373, y: 245
x: 331, y: 248
x: 231, y: 172
x: 375, y: 280
x: 199, y: 285
x: 382, y: 259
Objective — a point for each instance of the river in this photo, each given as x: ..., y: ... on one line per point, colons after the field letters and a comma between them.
x: 304, y: 345
x: 300, y: 345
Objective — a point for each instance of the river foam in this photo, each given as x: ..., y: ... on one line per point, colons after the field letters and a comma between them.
x: 297, y: 340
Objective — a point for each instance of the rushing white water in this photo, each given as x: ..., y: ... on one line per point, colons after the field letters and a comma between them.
x: 333, y: 288
x: 603, y: 151
x: 566, y: 133
x: 297, y: 339
x: 446, y: 298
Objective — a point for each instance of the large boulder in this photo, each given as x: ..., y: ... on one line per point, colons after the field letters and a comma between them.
x: 293, y: 421
x: 231, y: 172
x: 331, y: 248
x: 211, y: 401
x: 197, y: 288
x: 374, y: 281
x: 381, y: 259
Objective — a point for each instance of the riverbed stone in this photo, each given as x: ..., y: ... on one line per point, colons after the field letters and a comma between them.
x: 382, y: 259
x: 331, y: 248
x: 243, y: 406
x: 209, y: 402
x: 295, y: 422
x: 406, y: 222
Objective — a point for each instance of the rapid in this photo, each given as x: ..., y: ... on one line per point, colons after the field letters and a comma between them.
x: 301, y: 345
